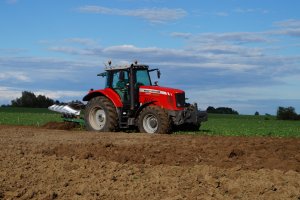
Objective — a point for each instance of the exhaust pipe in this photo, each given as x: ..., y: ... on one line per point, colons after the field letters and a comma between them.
x: 64, y: 109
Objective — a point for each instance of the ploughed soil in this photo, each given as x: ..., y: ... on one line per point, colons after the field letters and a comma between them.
x: 43, y: 163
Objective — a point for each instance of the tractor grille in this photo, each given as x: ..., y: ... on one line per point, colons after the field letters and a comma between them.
x: 180, y: 99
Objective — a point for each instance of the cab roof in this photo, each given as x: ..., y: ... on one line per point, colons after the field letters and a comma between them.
x: 125, y: 67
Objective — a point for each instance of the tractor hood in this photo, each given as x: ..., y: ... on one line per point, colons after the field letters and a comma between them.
x: 159, y: 90
x: 167, y: 98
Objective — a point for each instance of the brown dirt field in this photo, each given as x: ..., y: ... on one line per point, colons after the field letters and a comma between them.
x: 58, y: 164
x: 60, y: 125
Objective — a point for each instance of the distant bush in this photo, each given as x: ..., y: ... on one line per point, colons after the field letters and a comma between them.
x: 29, y: 99
x: 288, y: 113
x: 221, y: 110
x: 256, y: 113
x: 5, y: 105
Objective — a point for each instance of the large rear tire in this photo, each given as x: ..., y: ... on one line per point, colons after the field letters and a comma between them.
x: 153, y: 119
x: 101, y: 115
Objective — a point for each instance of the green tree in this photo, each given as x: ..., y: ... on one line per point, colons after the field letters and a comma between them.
x: 221, y: 110
x: 28, y: 99
x: 211, y: 109
x: 287, y: 113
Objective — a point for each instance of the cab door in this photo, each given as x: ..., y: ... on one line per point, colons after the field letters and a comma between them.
x: 120, y: 84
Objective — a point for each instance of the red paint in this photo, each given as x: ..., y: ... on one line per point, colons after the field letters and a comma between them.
x: 110, y: 94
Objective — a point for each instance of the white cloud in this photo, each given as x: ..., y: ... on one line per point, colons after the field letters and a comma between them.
x: 221, y: 49
x: 154, y: 15
x: 71, y: 50
x: 11, y: 1
x: 234, y: 67
x: 290, y: 27
x: 289, y: 31
x: 9, y: 93
x: 290, y: 23
x: 252, y: 10
x: 36, y: 72
x: 82, y: 41
x: 61, y: 94
x: 14, y: 76
x: 37, y: 63
x: 181, y: 35
x: 230, y: 12
x: 222, y: 14
x: 229, y: 37
x: 12, y: 50
x: 212, y: 55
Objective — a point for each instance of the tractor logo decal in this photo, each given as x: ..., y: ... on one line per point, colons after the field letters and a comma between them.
x: 155, y: 91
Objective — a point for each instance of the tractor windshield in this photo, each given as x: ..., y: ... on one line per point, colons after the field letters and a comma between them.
x: 142, y: 77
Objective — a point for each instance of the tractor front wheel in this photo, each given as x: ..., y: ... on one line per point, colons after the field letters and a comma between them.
x: 100, y: 115
x: 153, y: 119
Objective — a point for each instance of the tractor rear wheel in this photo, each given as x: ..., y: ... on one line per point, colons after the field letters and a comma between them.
x: 100, y: 115
x: 153, y: 119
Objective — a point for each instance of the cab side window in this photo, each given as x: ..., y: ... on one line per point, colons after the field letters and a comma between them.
x: 120, y: 79
x: 142, y: 78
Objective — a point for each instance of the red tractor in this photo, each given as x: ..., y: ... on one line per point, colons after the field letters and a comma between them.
x: 131, y: 100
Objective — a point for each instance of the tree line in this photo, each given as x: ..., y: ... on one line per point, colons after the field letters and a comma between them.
x: 287, y: 113
x: 283, y: 113
x: 221, y: 110
x: 30, y: 100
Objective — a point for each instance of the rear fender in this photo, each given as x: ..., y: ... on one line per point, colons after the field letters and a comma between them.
x: 107, y: 92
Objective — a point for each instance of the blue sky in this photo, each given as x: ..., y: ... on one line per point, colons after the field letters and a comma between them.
x: 242, y: 54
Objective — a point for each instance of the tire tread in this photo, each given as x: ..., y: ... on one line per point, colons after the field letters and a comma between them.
x: 112, y: 116
x: 165, y: 124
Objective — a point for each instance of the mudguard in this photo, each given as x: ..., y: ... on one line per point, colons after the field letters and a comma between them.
x: 107, y: 92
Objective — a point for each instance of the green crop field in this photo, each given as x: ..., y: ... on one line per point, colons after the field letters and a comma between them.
x: 247, y: 125
x: 230, y: 125
x: 27, y: 116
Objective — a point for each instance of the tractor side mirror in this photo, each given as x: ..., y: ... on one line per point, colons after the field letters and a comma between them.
x: 103, y: 74
x: 158, y: 73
